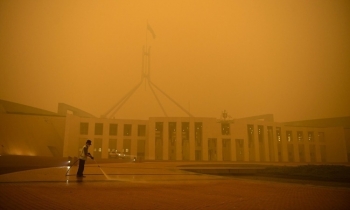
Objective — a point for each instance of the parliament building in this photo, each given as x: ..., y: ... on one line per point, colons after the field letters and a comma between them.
x: 27, y: 130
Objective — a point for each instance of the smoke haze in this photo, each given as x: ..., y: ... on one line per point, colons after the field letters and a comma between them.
x: 288, y: 58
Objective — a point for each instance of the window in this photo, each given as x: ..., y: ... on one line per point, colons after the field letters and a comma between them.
x: 300, y: 136
x: 112, y: 146
x: 321, y: 137
x: 250, y: 129
x: 261, y: 133
x: 212, y: 153
x: 113, y: 129
x: 141, y: 131
x: 198, y: 134
x: 172, y: 132
x: 84, y: 128
x: 310, y: 136
x: 127, y: 130
x: 278, y: 134
x: 225, y: 128
x: 185, y: 130
x: 158, y: 140
x: 159, y: 126
x: 289, y: 136
x: 98, y: 128
x: 250, y: 136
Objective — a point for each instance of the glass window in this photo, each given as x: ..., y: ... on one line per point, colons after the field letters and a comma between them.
x: 127, y: 130
x: 300, y: 135
x: 250, y: 135
x: 261, y: 133
x: 185, y: 130
x: 172, y: 131
x: 141, y: 131
x: 113, y: 129
x: 98, y: 128
x: 198, y: 133
x: 84, y: 128
x: 278, y: 134
x: 225, y: 128
x: 112, y: 146
x: 289, y: 136
x: 310, y: 135
x: 321, y: 137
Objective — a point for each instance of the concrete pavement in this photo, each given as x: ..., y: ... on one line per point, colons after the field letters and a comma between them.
x: 152, y: 185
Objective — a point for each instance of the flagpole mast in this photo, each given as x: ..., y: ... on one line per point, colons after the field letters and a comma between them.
x: 143, y: 58
x: 146, y: 33
x: 145, y: 76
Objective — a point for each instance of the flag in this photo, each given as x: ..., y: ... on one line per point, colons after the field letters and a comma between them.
x: 151, y: 30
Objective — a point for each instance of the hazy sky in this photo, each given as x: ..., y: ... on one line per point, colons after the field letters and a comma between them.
x: 290, y: 58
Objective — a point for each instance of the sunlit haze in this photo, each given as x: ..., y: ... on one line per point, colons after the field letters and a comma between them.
x: 288, y: 58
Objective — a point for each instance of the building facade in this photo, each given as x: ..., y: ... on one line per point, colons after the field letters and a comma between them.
x: 206, y: 139
x: 30, y: 131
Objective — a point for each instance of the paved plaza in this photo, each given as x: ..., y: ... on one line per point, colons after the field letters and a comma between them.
x: 151, y: 185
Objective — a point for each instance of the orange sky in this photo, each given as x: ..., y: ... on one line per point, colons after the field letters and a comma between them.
x: 288, y: 58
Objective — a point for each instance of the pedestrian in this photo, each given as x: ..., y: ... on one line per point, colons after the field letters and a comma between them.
x: 82, y: 158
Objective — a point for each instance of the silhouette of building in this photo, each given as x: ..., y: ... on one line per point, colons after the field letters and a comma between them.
x: 27, y: 130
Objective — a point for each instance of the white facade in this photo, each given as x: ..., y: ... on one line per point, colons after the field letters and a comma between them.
x: 206, y: 139
x: 27, y: 130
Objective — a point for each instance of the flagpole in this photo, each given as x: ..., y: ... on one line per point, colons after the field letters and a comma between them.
x: 146, y: 66
x: 146, y: 33
x: 145, y: 51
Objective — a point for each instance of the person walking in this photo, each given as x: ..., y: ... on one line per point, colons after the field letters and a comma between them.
x: 82, y: 158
